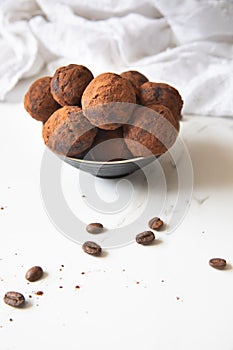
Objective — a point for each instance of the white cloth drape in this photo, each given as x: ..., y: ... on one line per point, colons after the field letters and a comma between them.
x: 187, y: 43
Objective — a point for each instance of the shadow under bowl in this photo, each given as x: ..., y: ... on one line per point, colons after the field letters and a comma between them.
x: 113, y: 169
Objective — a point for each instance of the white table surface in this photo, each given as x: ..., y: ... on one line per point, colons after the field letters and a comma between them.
x: 179, y: 303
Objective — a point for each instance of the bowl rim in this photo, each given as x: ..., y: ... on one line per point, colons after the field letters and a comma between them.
x: 114, y: 162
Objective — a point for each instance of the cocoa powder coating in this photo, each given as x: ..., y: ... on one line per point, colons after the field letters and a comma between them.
x: 108, y: 100
x: 109, y: 145
x: 68, y: 84
x: 68, y: 132
x: 166, y: 113
x: 38, y: 101
x: 151, y: 132
x: 152, y: 93
x: 137, y: 79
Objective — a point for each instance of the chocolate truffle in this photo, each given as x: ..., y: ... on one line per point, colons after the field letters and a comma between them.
x: 166, y: 113
x: 109, y: 145
x: 152, y: 93
x: 151, y: 132
x: 68, y: 132
x: 137, y: 79
x: 38, y: 101
x: 68, y: 84
x: 108, y: 101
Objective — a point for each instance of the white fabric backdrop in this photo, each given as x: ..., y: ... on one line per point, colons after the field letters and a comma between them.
x: 187, y: 43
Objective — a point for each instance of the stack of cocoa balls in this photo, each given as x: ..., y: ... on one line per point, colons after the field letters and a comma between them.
x: 80, y: 112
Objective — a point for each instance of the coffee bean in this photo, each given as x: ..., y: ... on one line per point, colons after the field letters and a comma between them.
x: 92, y: 248
x: 155, y: 223
x: 34, y: 274
x: 40, y: 293
x: 145, y: 238
x: 95, y: 228
x: 14, y: 299
x: 218, y: 263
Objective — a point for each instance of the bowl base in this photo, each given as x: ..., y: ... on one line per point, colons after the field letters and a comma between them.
x: 113, y: 177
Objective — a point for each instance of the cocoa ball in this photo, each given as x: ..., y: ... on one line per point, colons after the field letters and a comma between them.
x: 165, y: 112
x: 137, y: 79
x: 68, y: 132
x: 109, y: 145
x: 108, y: 101
x: 68, y: 84
x: 152, y: 131
x: 152, y: 93
x: 38, y: 101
